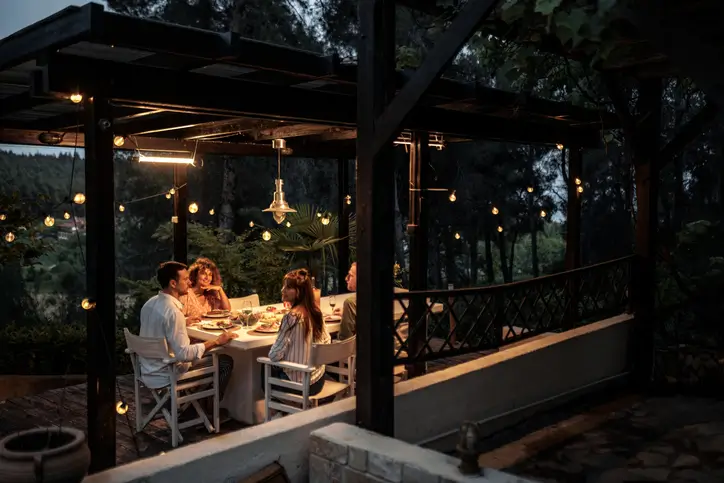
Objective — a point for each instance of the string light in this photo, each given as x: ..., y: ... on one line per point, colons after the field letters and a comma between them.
x: 580, y: 189
x: 121, y: 407
x: 560, y: 147
x: 530, y: 189
x: 172, y: 191
x: 319, y: 215
x: 193, y: 208
x: 266, y: 236
x: 121, y: 208
x: 10, y: 237
x: 168, y: 196
x: 289, y: 224
x: 495, y: 210
x: 3, y: 217
x: 49, y: 221
x: 500, y: 229
x: 119, y: 141
x: 79, y: 198
x: 66, y: 215
x: 87, y: 304
x: 76, y: 98
x: 211, y: 212
x: 543, y: 213
x: 348, y: 199
x: 251, y: 224
x: 325, y: 219
x: 577, y: 181
x: 452, y: 197
x: 174, y: 219
x: 457, y: 236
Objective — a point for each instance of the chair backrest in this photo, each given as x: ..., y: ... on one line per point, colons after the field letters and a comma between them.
x: 238, y: 303
x: 147, y: 347
x: 328, y: 353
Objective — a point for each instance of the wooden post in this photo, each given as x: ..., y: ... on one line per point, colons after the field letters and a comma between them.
x: 573, y: 233
x: 100, y: 279
x: 180, y: 213
x: 417, y: 230
x: 343, y: 232
x: 647, y: 187
x: 375, y: 219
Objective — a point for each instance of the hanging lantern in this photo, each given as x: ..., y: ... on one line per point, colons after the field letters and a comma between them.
x: 279, y: 206
x: 266, y: 236
x: 193, y: 208
x: 10, y: 237
x: 79, y: 198
x: 49, y: 221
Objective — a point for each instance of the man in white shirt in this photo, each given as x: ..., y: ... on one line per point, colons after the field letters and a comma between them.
x: 161, y: 317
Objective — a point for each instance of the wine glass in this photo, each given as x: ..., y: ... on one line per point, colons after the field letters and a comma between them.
x: 246, y: 310
x: 332, y: 302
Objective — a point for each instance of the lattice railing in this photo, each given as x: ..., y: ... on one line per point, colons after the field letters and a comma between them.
x: 435, y: 324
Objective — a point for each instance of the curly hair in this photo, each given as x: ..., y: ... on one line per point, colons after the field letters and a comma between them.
x: 200, y: 264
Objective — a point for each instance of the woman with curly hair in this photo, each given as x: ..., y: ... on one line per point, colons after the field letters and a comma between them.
x: 205, y: 293
x: 300, y: 328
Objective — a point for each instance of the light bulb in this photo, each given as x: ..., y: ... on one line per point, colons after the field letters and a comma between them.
x: 10, y: 237
x: 452, y: 197
x: 76, y: 98
x: 121, y: 407
x: 279, y: 217
x: 560, y: 147
x: 87, y: 304
x: 348, y: 199
x: 530, y: 189
x: 168, y: 196
x: 266, y: 236
x: 251, y: 224
x: 500, y: 229
x: 325, y: 220
x: 174, y: 219
x: 172, y: 191
x: 49, y: 221
x: 79, y: 198
x: 580, y: 189
x: 193, y: 208
x: 319, y: 215
x: 543, y: 213
x: 3, y: 217
x: 289, y: 224
x: 66, y: 215
x: 577, y: 181
x: 121, y: 208
x: 457, y: 236
x: 495, y: 210
x: 211, y: 212
x: 119, y: 141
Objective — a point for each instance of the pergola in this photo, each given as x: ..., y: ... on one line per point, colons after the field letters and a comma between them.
x: 172, y: 88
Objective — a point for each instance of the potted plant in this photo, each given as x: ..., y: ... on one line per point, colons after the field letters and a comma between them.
x: 47, y: 455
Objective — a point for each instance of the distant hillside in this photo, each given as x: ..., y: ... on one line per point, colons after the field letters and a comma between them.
x: 32, y: 175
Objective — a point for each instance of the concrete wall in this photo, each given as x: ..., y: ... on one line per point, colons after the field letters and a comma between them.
x: 342, y: 452
x: 428, y: 409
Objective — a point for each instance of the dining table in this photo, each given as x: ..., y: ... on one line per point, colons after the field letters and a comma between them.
x: 244, y: 396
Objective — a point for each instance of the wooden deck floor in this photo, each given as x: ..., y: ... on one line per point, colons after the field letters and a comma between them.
x: 67, y: 406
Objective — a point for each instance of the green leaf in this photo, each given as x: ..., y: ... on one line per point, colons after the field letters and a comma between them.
x: 573, y: 21
x: 546, y: 7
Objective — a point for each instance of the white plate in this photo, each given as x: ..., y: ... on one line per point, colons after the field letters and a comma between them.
x: 213, y: 326
x: 222, y: 315
x: 332, y: 318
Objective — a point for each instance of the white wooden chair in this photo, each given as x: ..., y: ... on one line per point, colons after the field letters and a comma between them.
x: 238, y: 303
x: 185, y: 389
x: 342, y: 352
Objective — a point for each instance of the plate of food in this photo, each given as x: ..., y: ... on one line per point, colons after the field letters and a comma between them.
x: 217, y: 314
x: 219, y: 325
x: 268, y: 328
x: 332, y: 318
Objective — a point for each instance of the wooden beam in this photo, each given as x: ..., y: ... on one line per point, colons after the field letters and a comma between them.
x: 71, y: 139
x: 459, y: 32
x: 222, y: 128
x: 160, y: 122
x: 375, y: 407
x: 344, y: 211
x: 688, y: 133
x: 291, y: 131
x: 101, y: 280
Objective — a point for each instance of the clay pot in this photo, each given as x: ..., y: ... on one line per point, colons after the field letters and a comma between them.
x: 44, y: 455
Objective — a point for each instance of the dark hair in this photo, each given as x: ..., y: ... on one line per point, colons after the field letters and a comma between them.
x: 305, y: 303
x: 168, y: 271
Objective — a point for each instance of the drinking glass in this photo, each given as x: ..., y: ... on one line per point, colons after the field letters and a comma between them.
x: 246, y: 310
x: 332, y: 302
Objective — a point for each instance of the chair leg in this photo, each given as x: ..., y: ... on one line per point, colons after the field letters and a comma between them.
x: 267, y: 392
x: 215, y: 402
x: 174, y: 419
